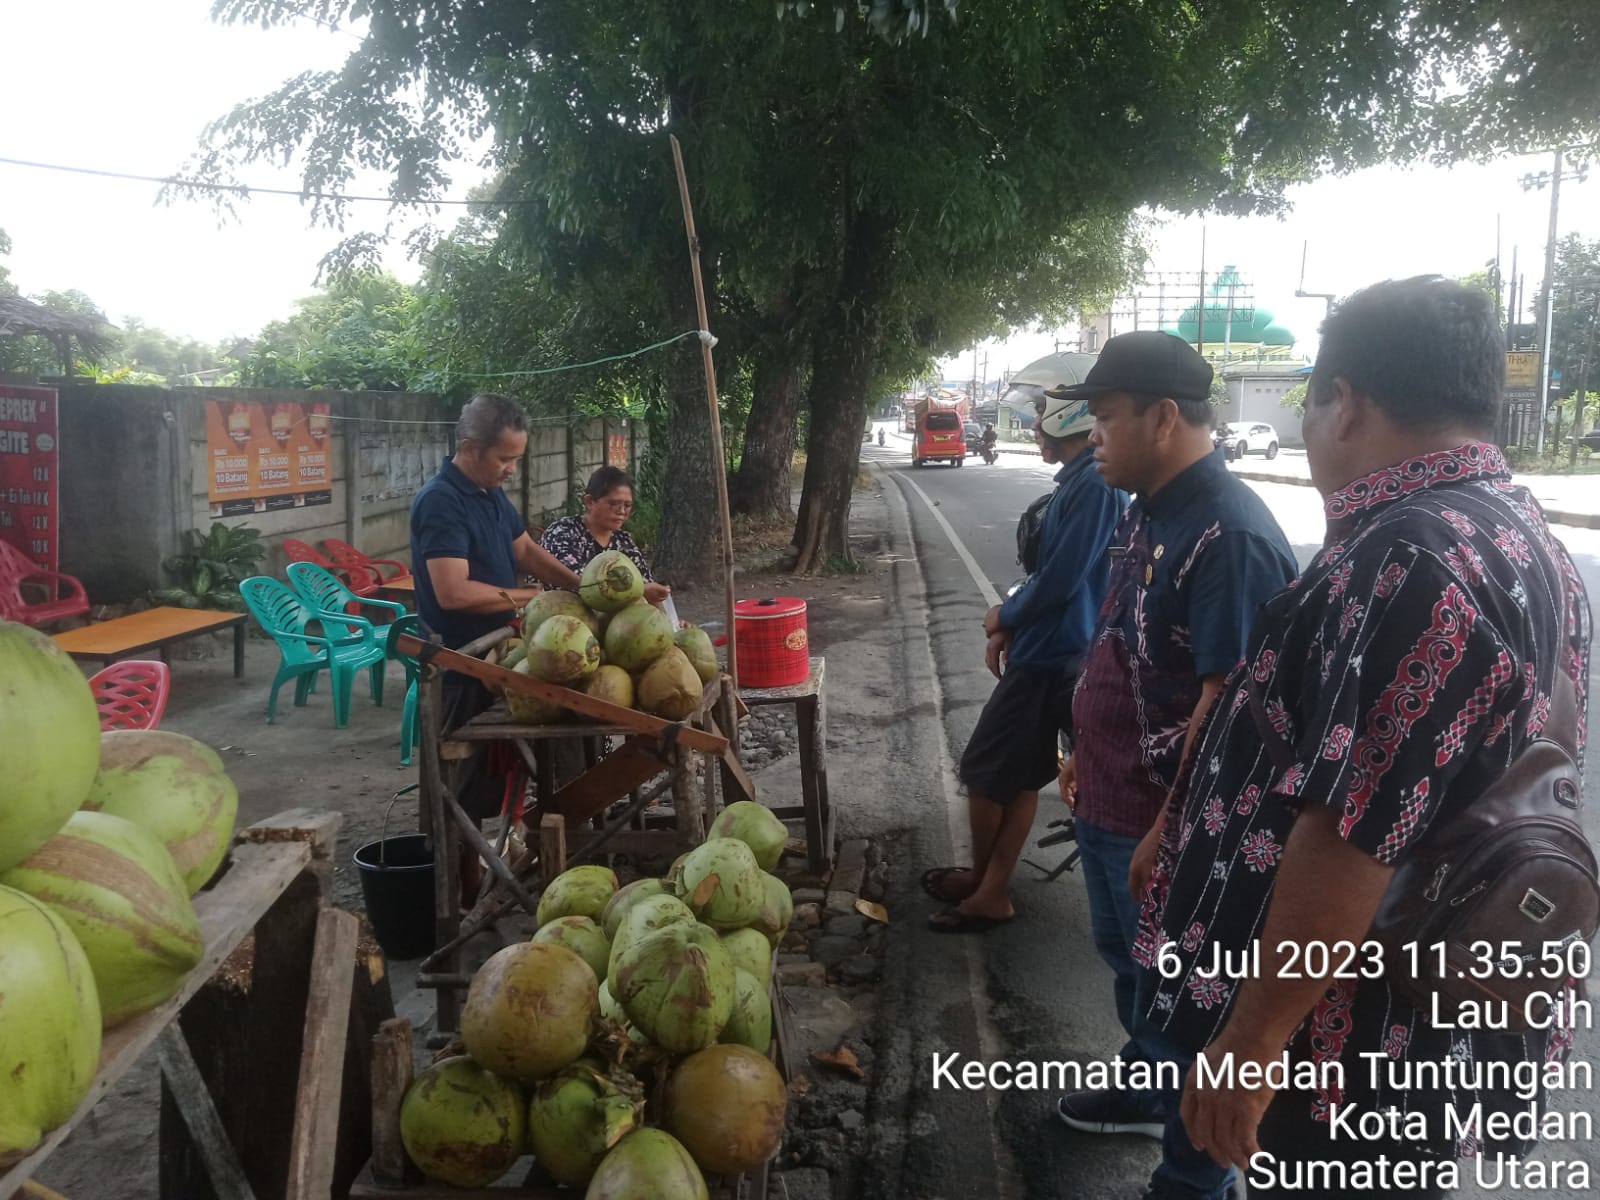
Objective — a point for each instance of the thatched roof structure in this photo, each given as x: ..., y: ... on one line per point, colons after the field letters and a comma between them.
x: 21, y: 318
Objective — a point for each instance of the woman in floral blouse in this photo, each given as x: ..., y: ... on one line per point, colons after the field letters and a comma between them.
x: 607, y: 503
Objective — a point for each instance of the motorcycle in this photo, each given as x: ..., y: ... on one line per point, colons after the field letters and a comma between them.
x: 880, y: 437
x: 990, y: 454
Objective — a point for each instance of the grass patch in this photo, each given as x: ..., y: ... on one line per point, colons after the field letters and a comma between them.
x: 843, y: 564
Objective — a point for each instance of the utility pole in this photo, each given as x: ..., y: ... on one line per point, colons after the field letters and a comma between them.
x: 1200, y: 321
x: 1546, y: 321
x: 1300, y: 292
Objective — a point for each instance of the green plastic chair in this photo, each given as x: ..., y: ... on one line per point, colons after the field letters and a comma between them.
x: 346, y: 645
x: 320, y: 588
x: 409, y: 730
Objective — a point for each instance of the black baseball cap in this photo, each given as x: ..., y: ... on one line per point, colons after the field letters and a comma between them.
x: 1146, y: 361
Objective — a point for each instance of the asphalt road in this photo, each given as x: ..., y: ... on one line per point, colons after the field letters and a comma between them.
x: 1039, y: 989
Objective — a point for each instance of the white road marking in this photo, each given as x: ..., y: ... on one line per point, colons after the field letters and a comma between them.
x: 985, y: 588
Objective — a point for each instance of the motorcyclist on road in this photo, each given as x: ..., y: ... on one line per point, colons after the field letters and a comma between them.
x: 880, y: 436
x: 987, y: 443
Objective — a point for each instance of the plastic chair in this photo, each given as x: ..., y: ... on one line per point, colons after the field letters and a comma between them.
x: 362, y: 581
x: 346, y: 645
x: 345, y: 555
x: 131, y: 694
x: 67, y: 597
x: 321, y: 588
x: 409, y: 729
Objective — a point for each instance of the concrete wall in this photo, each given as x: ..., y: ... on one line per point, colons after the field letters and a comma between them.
x: 1257, y: 398
x: 134, y: 472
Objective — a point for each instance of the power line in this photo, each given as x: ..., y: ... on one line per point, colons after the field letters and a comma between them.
x: 242, y: 189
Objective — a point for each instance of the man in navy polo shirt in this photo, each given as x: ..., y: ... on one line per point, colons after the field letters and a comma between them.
x: 1194, y: 558
x: 469, y: 549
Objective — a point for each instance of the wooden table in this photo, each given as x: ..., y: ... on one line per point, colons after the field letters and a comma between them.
x: 153, y: 629
x: 811, y: 716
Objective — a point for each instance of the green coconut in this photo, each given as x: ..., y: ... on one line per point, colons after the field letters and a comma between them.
x: 556, y: 603
x: 49, y: 739
x: 669, y: 687
x: 583, y: 937
x: 611, y: 1011
x: 611, y: 684
x: 750, y: 951
x: 648, y: 1164
x: 49, y: 1022
x: 529, y: 1010
x: 755, y: 825
x: 578, y: 892
x: 532, y: 710
x: 610, y: 581
x: 563, y: 650
x: 777, y: 909
x: 696, y: 646
x: 726, y: 1104
x: 750, y: 1023
x: 677, y: 986
x: 721, y: 884
x: 645, y: 916
x: 627, y: 896
x: 575, y: 1118
x: 637, y: 636
x: 115, y: 886
x: 462, y: 1124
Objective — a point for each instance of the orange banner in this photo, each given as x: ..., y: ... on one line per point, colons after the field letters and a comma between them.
x: 267, y: 456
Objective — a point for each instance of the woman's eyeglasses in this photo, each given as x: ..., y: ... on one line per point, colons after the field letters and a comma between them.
x: 621, y: 507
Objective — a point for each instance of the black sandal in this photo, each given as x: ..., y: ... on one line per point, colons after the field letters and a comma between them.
x: 953, y: 920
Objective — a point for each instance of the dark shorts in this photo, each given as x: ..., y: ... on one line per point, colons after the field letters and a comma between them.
x: 1015, y: 745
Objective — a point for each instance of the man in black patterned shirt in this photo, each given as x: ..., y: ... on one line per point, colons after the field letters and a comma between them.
x: 1406, y: 668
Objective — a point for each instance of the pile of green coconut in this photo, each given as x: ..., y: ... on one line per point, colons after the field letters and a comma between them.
x: 605, y: 640
x: 626, y: 1045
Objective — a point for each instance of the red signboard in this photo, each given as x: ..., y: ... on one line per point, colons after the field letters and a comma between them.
x: 29, y: 492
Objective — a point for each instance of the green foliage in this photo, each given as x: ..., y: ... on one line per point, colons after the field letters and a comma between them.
x: 358, y: 334
x: 208, y: 572
x: 1295, y: 399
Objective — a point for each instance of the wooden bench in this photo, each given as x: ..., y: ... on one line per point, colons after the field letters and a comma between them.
x: 811, y: 716
x: 153, y: 629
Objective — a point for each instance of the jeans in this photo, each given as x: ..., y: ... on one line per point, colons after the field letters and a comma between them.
x: 1114, y: 921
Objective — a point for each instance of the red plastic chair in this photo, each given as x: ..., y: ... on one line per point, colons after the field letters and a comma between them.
x: 67, y: 597
x: 131, y: 694
x: 363, y: 580
x: 347, y: 556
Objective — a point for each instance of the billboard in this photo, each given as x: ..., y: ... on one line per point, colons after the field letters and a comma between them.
x: 29, y: 489
x: 266, y: 456
x: 617, y: 450
x: 1522, y: 370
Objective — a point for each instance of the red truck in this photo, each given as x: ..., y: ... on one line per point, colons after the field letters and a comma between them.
x: 938, y: 431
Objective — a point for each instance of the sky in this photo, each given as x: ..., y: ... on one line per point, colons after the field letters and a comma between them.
x: 129, y: 87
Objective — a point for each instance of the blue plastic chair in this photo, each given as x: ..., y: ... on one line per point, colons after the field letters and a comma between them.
x: 409, y: 729
x: 320, y: 588
x: 346, y: 645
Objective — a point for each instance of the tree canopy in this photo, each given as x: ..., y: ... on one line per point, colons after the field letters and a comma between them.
x: 874, y: 192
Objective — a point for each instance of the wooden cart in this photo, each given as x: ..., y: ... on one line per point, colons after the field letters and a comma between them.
x: 654, y: 757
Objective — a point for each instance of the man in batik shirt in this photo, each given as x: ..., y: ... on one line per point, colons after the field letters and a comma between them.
x: 1411, y: 663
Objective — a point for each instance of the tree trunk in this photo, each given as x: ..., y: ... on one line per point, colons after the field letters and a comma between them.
x: 760, y: 487
x: 842, y: 375
x: 687, y: 546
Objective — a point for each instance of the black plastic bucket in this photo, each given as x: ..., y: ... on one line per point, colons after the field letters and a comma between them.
x: 397, y: 884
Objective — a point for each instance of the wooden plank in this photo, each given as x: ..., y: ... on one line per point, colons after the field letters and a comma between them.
x: 578, y: 702
x: 316, y: 1112
x: 552, y: 846
x: 617, y: 774
x: 199, y: 1112
x: 227, y: 913
x: 391, y: 1076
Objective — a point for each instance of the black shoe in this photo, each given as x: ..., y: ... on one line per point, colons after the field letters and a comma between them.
x: 1111, y: 1111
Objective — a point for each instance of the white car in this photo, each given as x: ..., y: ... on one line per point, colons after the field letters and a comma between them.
x: 1243, y: 438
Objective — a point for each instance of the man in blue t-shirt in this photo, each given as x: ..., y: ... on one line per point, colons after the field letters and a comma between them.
x: 469, y: 545
x: 1039, y: 636
x: 469, y: 549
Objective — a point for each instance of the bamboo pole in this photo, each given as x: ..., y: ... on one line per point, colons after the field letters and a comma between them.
x: 719, y: 463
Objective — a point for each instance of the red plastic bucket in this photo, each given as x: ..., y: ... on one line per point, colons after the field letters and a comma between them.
x: 774, y: 650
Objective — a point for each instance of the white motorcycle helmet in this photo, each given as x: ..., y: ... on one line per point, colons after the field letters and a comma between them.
x: 1065, y: 416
